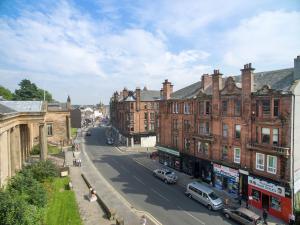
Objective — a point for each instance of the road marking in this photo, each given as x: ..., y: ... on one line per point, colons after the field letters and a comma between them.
x: 139, y: 180
x: 119, y: 150
x: 156, y: 192
x: 195, y: 218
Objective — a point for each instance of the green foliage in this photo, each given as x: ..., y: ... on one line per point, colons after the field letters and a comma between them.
x: 52, y: 150
x: 35, y: 150
x: 15, y: 210
x: 5, y: 93
x: 24, y: 185
x: 29, y: 91
x: 42, y: 170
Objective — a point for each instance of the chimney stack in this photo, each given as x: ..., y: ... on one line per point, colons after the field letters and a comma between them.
x: 297, y: 68
x: 167, y: 89
x: 138, y: 98
x: 247, y: 79
x: 125, y: 92
x: 206, y: 81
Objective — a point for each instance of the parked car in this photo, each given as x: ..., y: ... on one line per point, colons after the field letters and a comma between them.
x: 204, y: 195
x: 168, y: 176
x: 110, y: 141
x: 88, y: 133
x: 243, y: 216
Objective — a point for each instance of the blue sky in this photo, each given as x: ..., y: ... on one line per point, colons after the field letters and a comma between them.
x: 89, y: 49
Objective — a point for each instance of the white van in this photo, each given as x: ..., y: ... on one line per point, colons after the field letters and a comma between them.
x: 204, y: 195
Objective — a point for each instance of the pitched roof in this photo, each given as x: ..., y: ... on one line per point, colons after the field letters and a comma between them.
x: 277, y: 79
x: 4, y: 109
x: 57, y: 106
x: 24, y: 106
x: 150, y: 95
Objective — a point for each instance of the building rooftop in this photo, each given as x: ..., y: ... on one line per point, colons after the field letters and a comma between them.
x: 276, y: 79
x: 57, y: 106
x: 4, y: 109
x: 23, y: 106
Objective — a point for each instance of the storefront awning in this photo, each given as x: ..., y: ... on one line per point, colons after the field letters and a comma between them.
x: 168, y: 150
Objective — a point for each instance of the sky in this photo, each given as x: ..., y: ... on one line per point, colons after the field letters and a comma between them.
x: 92, y: 48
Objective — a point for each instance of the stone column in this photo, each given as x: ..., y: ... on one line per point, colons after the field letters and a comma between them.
x: 127, y: 142
x: 43, y: 141
x: 4, y: 158
x: 69, y: 128
x: 18, y: 148
x: 132, y: 142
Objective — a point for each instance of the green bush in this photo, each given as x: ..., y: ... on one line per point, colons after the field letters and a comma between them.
x: 28, y: 188
x: 35, y: 150
x: 42, y: 170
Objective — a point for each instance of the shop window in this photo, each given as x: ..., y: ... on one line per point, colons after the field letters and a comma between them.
x: 207, y: 108
x: 49, y: 129
x: 266, y: 107
x: 275, y: 136
x: 224, y: 108
x: 260, y: 161
x: 225, y: 130
x: 238, y: 131
x: 237, y: 107
x: 265, y: 135
x: 256, y: 195
x: 275, y: 203
x: 276, y: 107
x: 272, y: 164
x: 237, y: 155
x: 224, y: 152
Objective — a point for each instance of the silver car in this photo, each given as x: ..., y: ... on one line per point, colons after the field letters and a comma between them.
x: 243, y: 216
x: 168, y: 176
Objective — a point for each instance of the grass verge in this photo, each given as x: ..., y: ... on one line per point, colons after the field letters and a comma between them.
x: 62, y: 207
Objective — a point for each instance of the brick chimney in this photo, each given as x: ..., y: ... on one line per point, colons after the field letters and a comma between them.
x: 125, y: 92
x: 161, y: 93
x: 297, y: 68
x: 206, y: 81
x: 138, y: 98
x: 247, y: 79
x: 167, y: 89
x: 216, y: 87
x: 69, y: 103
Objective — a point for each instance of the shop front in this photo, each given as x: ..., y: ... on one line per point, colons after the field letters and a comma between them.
x: 169, y: 157
x: 227, y: 179
x: 206, y: 170
x: 267, y: 195
x: 188, y: 164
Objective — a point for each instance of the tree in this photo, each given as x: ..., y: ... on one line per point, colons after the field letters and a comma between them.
x: 5, y: 93
x: 29, y: 91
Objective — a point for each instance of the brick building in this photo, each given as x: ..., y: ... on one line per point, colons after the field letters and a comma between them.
x: 132, y: 115
x: 240, y: 134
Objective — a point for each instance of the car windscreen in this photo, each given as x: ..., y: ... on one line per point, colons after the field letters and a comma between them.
x: 168, y: 173
x: 213, y: 196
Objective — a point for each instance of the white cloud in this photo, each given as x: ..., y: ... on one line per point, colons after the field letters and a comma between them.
x: 268, y: 39
x: 68, y: 49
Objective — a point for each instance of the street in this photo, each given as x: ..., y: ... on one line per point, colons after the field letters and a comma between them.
x: 135, y: 183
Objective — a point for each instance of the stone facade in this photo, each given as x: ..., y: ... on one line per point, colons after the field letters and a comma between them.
x: 235, y: 133
x: 133, y: 116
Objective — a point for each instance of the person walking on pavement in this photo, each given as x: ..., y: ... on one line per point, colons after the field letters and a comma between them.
x: 291, y: 219
x: 143, y: 220
x: 240, y: 199
x: 265, y: 216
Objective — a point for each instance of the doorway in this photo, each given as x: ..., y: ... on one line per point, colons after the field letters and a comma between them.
x: 225, y: 183
x: 265, y: 201
x: 196, y: 169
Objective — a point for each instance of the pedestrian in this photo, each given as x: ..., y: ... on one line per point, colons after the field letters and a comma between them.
x: 265, y: 215
x: 291, y: 219
x: 79, y: 162
x: 247, y: 203
x: 143, y: 220
x: 240, y: 199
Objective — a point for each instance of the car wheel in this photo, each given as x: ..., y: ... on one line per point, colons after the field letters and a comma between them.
x: 209, y: 207
x: 227, y: 215
x: 190, y: 196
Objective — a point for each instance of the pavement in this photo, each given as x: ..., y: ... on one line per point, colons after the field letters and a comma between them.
x: 92, y: 212
x: 143, y: 158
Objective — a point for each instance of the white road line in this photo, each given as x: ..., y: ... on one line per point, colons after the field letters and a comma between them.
x: 119, y: 150
x: 195, y: 218
x: 160, y: 195
x: 139, y: 180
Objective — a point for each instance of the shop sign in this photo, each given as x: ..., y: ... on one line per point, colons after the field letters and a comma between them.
x: 226, y: 171
x: 266, y: 186
x: 167, y: 150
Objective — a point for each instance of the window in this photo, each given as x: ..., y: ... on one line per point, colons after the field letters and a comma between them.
x: 49, y: 129
x: 260, y: 161
x: 201, y: 108
x: 256, y: 195
x: 225, y: 130
x: 257, y: 108
x: 146, y: 116
x: 265, y: 135
x: 201, y: 128
x: 266, y: 107
x: 145, y: 106
x: 256, y: 134
x: 146, y: 125
x: 186, y: 107
x: 175, y: 141
x: 224, y: 152
x: 238, y: 131
x: 275, y: 136
x: 175, y: 124
x: 272, y: 164
x: 207, y: 108
x: 276, y: 107
x: 224, y: 108
x: 186, y: 144
x: 237, y: 108
x: 186, y: 125
x: 202, y: 147
x: 207, y: 128
x: 131, y: 105
x: 237, y: 155
x: 275, y: 203
x: 152, y: 116
x: 152, y: 124
x: 175, y: 107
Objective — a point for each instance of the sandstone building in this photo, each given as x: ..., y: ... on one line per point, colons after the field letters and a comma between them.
x: 132, y: 115
x: 240, y: 133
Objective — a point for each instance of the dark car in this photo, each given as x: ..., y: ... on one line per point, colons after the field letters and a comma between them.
x: 243, y: 216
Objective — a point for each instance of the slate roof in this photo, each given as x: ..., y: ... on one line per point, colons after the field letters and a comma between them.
x: 57, y: 106
x: 4, y: 109
x: 24, y: 106
x: 277, y: 79
x: 150, y: 95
